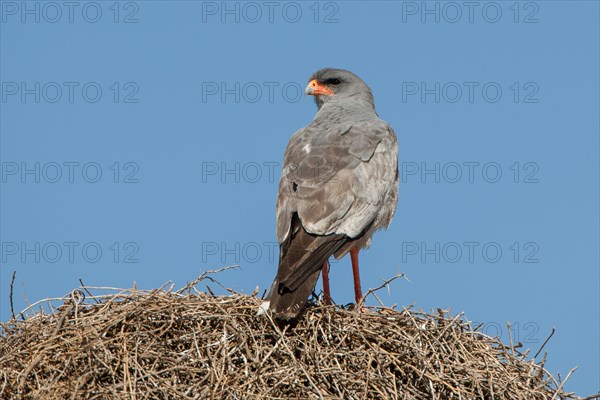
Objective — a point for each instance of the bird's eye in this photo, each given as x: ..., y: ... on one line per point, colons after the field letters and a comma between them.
x: 333, y: 81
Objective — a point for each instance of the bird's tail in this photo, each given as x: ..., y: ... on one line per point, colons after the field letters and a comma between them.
x: 288, y: 305
x: 301, y: 258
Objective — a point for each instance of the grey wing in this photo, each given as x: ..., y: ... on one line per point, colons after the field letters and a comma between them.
x: 337, y: 183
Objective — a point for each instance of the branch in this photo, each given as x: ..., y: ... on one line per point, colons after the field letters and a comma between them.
x: 383, y: 285
x: 205, y: 275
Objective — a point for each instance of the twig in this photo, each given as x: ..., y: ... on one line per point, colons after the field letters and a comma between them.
x: 545, y: 341
x: 593, y: 396
x: 205, y: 275
x: 12, y: 283
x: 563, y: 383
x: 91, y: 296
x: 383, y: 285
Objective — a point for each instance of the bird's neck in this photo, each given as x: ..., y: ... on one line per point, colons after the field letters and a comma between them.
x: 357, y: 107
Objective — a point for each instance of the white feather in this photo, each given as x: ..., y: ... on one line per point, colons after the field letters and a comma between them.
x: 263, y: 308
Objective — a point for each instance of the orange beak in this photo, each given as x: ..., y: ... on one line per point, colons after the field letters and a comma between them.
x: 314, y: 88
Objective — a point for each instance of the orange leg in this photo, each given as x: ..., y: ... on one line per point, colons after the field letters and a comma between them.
x: 326, y: 292
x: 356, y: 274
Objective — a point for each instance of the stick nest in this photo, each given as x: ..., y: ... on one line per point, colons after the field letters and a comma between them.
x: 187, y: 344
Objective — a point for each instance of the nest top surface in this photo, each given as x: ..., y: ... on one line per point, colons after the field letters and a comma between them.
x: 161, y: 344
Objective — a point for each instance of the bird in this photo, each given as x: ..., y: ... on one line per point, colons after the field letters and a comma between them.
x: 339, y: 184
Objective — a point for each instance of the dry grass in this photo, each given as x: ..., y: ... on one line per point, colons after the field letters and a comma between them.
x: 186, y: 344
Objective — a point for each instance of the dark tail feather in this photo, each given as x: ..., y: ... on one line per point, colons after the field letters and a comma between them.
x: 289, y: 304
x: 299, y: 270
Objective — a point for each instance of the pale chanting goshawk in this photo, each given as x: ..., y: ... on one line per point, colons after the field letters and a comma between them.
x: 339, y: 185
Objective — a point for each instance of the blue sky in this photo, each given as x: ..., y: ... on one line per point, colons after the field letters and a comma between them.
x: 142, y: 141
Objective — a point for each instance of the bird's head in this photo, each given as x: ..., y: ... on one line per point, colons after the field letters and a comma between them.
x: 331, y: 85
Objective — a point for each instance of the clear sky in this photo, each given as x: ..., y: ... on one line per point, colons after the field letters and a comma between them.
x: 142, y: 141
